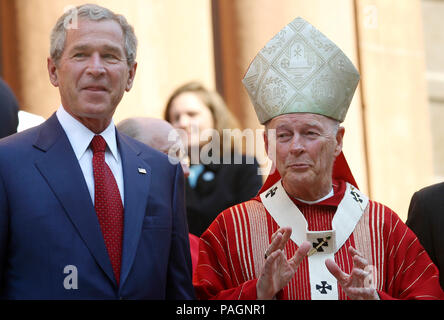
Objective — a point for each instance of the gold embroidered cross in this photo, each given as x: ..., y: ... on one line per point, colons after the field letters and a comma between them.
x: 323, y: 241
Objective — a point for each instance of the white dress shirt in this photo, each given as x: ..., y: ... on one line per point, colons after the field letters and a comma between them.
x: 329, y: 195
x: 80, y: 137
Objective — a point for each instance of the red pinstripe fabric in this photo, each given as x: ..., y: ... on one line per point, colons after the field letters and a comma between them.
x: 232, y: 254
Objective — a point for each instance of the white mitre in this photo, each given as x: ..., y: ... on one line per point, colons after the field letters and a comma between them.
x: 301, y: 70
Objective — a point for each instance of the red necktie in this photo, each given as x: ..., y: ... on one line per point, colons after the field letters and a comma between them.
x: 108, y: 204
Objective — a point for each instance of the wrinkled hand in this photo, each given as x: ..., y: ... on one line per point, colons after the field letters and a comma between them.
x: 278, y: 271
x: 354, y: 284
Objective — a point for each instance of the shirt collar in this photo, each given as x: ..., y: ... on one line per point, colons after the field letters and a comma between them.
x: 339, y: 188
x: 329, y: 195
x: 80, y: 136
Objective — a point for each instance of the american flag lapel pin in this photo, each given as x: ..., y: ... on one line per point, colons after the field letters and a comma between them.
x: 142, y: 170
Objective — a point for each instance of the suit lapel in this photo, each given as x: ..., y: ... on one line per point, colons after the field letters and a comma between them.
x: 60, y: 168
x: 137, y: 180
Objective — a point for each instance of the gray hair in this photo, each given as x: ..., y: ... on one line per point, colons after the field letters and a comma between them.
x: 95, y: 13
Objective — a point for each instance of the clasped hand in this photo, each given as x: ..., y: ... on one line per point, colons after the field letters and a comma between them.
x: 278, y: 270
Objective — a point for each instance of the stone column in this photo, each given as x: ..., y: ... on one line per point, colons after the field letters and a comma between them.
x: 395, y: 100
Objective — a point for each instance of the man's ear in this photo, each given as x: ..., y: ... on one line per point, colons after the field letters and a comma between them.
x: 132, y: 75
x: 52, y: 71
x: 339, y: 140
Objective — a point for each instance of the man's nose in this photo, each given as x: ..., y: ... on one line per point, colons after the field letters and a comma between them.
x: 297, y: 145
x: 96, y: 66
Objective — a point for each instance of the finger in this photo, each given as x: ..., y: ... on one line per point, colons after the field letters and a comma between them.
x: 284, y: 233
x: 334, y: 269
x: 358, y: 258
x: 300, y: 254
x: 274, y: 245
x: 360, y: 273
x: 265, y: 281
x: 360, y: 262
x: 281, y: 230
x: 358, y: 277
x: 362, y: 293
x: 354, y: 252
x: 269, y: 263
x: 285, y: 237
x: 278, y: 240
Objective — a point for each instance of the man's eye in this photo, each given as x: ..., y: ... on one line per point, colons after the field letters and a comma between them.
x: 312, y: 133
x: 283, y: 135
x: 110, y: 58
x: 79, y: 55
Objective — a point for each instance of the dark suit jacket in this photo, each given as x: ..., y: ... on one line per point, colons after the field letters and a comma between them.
x: 8, y: 111
x: 48, y: 222
x: 227, y: 185
x: 426, y: 219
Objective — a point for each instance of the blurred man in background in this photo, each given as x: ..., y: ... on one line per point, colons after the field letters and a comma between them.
x: 160, y: 135
x: 426, y: 219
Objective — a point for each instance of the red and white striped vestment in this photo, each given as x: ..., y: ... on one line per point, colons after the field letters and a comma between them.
x: 231, y: 252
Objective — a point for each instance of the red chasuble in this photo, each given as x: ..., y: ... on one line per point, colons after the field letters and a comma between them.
x: 231, y: 252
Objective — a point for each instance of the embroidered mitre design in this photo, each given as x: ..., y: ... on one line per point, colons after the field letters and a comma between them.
x: 301, y: 70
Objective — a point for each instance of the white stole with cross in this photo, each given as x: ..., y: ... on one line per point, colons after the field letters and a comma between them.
x: 286, y: 214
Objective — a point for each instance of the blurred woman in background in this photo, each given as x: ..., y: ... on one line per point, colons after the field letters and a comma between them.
x: 214, y: 184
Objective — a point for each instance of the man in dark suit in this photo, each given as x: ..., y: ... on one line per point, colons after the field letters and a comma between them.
x: 8, y: 111
x: 426, y: 219
x: 85, y: 212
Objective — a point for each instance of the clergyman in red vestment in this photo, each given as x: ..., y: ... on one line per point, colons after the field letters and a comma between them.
x: 310, y: 233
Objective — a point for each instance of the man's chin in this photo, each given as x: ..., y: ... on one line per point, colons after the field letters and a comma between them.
x: 298, y: 178
x: 95, y: 110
